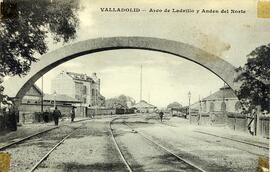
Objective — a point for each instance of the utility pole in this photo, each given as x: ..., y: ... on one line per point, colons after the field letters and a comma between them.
x: 257, y: 124
x: 96, y: 101
x: 200, y: 111
x: 189, y: 96
x: 141, y: 85
x: 42, y: 94
x: 54, y: 101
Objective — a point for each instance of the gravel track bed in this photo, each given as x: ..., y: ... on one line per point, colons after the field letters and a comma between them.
x: 25, y: 155
x: 23, y: 132
x: 90, y: 148
x: 208, y: 154
x: 143, y: 155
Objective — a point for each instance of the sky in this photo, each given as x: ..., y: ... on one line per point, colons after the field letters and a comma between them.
x: 166, y: 78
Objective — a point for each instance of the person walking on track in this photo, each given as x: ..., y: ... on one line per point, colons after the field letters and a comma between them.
x: 56, y: 115
x: 161, y: 114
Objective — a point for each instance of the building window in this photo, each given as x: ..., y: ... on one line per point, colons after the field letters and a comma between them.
x: 84, y: 100
x: 78, y: 97
x: 223, y: 106
x: 212, y: 107
x: 93, y: 92
x: 84, y: 89
x: 238, y: 106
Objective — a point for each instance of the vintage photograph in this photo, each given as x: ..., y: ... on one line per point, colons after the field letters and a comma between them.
x: 145, y: 85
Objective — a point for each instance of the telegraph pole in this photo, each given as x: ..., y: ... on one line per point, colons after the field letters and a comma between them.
x: 42, y: 94
x: 189, y: 96
x: 141, y: 85
x: 54, y: 99
x: 200, y: 110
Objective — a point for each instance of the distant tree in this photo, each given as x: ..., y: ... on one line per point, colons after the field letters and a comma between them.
x: 24, y: 27
x: 174, y: 105
x: 255, y: 79
x: 121, y: 100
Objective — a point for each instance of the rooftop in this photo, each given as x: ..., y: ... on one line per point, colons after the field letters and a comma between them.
x: 60, y: 97
x: 143, y: 104
x: 224, y: 92
x: 79, y: 76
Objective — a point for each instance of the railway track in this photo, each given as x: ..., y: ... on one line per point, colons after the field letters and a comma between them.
x: 2, y: 148
x: 226, y: 138
x: 235, y: 140
x: 117, y: 146
x: 182, y: 160
x: 51, y: 150
x: 40, y: 135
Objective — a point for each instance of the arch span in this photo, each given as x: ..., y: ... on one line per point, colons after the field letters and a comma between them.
x: 17, y: 86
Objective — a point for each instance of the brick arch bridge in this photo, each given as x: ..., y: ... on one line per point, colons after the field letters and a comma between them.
x: 16, y: 87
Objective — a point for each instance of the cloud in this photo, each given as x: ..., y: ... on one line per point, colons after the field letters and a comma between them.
x: 212, y: 44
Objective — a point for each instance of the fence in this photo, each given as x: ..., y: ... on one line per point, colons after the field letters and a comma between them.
x: 235, y: 121
x: 29, y: 112
x: 210, y: 118
x: 264, y: 126
x: 99, y: 111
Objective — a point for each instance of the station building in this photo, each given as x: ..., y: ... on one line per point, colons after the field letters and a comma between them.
x: 31, y: 104
x: 82, y: 87
x: 223, y: 100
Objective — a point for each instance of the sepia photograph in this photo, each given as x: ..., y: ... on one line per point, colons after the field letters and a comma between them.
x: 145, y: 85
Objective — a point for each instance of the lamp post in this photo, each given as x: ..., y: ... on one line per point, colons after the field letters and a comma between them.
x: 189, y: 96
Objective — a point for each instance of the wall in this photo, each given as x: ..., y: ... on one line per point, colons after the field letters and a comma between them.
x: 63, y: 84
x: 29, y: 109
x: 90, y: 112
x: 234, y: 121
x: 264, y: 127
x: 239, y: 123
x: 230, y: 105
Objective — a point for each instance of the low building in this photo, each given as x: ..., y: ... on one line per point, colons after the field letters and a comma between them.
x: 216, y: 107
x: 223, y: 100
x: 144, y: 107
x: 31, y: 104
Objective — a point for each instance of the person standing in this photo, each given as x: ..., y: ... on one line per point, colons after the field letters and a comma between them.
x: 56, y: 115
x: 12, y: 118
x: 72, y: 114
x: 46, y: 116
x: 161, y: 114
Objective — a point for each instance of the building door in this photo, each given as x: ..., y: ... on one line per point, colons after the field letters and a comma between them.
x: 223, y: 106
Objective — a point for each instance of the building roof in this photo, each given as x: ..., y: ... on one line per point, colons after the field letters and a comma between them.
x: 79, y: 76
x: 224, y: 92
x: 34, y: 91
x: 143, y: 104
x: 60, y: 97
x: 38, y: 89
